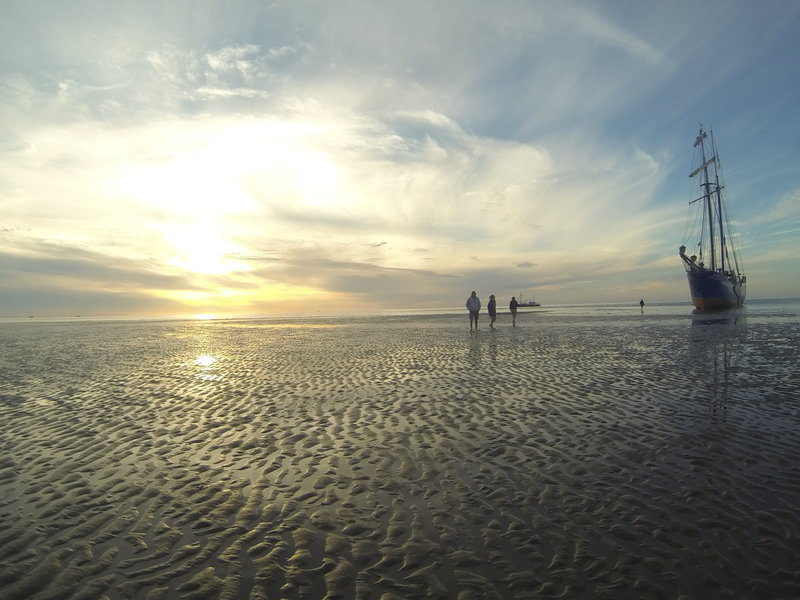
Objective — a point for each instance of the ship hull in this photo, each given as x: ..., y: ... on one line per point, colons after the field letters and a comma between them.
x: 713, y: 289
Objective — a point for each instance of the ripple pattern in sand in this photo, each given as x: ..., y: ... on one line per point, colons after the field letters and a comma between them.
x: 389, y: 460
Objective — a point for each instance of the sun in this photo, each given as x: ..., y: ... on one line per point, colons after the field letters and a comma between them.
x: 212, y: 194
x: 205, y: 316
x: 202, y: 247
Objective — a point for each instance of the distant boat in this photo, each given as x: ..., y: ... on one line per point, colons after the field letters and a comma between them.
x: 715, y: 278
x: 522, y: 304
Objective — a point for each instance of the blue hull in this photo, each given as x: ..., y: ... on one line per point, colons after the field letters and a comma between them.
x: 714, y: 289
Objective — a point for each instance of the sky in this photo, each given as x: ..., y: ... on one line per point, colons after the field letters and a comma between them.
x: 254, y: 157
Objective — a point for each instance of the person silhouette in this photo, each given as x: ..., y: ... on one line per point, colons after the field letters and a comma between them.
x: 474, y: 307
x: 512, y: 306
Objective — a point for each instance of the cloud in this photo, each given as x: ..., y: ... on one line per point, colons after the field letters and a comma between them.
x: 590, y: 25
x: 785, y: 209
x: 365, y: 282
x: 377, y: 153
x: 50, y: 301
x: 61, y: 280
x: 210, y: 193
x: 68, y: 266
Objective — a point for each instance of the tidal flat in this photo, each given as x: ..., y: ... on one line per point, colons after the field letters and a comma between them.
x: 578, y: 455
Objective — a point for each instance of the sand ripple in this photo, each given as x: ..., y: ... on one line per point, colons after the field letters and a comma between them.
x: 398, y: 460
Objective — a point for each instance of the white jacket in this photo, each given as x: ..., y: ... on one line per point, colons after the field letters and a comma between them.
x: 473, y: 303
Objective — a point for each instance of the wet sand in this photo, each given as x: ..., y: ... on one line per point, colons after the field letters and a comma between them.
x: 400, y: 458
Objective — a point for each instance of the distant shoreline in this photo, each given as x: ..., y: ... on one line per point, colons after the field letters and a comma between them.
x: 566, y: 309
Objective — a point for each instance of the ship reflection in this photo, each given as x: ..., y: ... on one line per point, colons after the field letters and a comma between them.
x: 715, y: 343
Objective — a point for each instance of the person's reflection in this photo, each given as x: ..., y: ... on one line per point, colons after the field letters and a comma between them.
x: 492, y: 352
x: 474, y: 355
x: 478, y: 352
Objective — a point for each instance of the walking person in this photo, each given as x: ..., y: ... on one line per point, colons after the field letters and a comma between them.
x: 641, y: 304
x: 512, y: 306
x: 474, y: 308
x: 492, y: 308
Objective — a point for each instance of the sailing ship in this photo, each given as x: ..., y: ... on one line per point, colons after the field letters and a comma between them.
x: 715, y: 277
x: 526, y: 304
x: 523, y: 304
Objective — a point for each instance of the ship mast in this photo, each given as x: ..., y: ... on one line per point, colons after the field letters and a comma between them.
x: 712, y: 195
x: 718, y: 190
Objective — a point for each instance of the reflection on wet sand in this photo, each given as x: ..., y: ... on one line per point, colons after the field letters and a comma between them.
x: 715, y: 343
x: 382, y: 459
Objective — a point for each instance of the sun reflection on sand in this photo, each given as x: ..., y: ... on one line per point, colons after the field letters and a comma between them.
x: 205, y: 360
x: 208, y: 367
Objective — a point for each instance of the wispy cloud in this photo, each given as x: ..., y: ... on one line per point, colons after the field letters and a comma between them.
x: 376, y: 155
x: 785, y: 209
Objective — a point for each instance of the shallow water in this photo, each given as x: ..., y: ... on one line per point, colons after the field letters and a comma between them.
x: 590, y: 452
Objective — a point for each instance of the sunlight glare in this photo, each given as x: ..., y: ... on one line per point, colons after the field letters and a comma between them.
x: 205, y: 360
x: 202, y: 248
